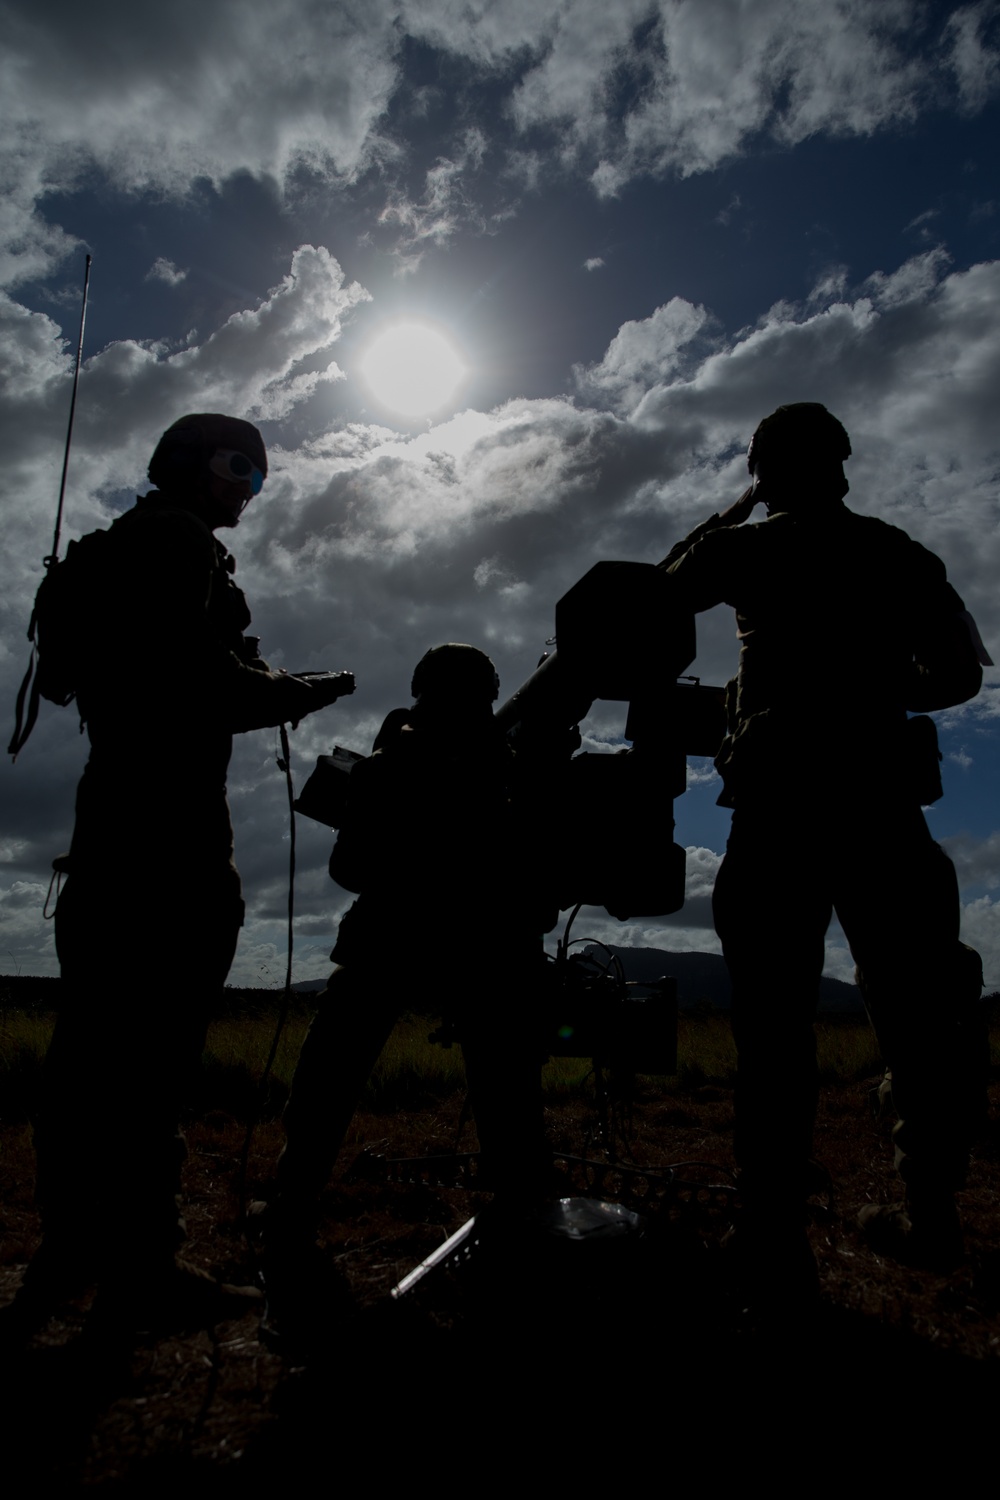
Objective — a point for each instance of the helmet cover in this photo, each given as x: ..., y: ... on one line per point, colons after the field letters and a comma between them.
x: 803, y: 433
x: 456, y: 671
x: 184, y: 451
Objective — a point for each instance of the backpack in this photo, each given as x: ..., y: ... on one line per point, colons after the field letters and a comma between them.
x: 68, y: 597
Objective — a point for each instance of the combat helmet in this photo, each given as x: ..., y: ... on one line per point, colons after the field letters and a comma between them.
x: 207, y: 443
x: 803, y: 434
x: 455, y: 671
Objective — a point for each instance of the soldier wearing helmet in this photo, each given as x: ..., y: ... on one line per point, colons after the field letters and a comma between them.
x: 210, y: 464
x: 846, y: 627
x: 147, y: 922
x: 435, y: 839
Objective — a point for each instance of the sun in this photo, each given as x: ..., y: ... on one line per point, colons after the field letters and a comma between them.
x: 413, y: 369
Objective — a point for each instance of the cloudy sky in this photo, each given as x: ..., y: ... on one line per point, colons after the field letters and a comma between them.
x: 638, y: 226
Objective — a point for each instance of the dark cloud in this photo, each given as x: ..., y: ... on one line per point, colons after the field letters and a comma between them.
x: 299, y: 91
x: 443, y: 119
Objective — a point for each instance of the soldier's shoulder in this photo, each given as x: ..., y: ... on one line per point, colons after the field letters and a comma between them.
x: 390, y: 737
x: 155, y: 528
x: 893, y: 540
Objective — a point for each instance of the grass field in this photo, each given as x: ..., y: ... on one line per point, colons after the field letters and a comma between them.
x: 411, y: 1070
x: 229, y: 1410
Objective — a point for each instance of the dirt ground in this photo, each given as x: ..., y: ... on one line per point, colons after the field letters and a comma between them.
x: 536, y: 1350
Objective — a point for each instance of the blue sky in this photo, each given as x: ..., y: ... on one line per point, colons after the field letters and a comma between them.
x: 642, y: 227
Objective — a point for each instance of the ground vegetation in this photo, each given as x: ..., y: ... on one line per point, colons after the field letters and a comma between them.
x: 535, y: 1345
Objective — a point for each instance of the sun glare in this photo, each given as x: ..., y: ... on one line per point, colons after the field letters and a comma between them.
x: 412, y: 369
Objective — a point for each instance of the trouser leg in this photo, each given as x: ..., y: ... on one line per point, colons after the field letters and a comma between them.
x: 922, y: 988
x: 345, y: 1038
x: 108, y: 1147
x: 75, y: 1130
x: 504, y: 1076
x: 771, y: 916
x: 503, y: 1068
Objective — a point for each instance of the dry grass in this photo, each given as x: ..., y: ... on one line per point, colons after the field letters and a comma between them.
x: 618, y: 1347
x: 412, y: 1069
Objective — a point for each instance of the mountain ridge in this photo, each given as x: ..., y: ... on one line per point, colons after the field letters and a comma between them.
x: 703, y: 977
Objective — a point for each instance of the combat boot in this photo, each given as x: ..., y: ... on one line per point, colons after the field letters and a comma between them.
x: 923, y: 1230
x: 771, y: 1267
x: 168, y: 1296
x: 308, y: 1299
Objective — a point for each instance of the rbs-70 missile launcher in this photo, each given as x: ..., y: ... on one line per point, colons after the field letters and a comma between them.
x: 620, y: 636
x: 607, y: 818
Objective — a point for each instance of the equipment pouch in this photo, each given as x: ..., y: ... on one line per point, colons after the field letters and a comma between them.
x: 325, y: 793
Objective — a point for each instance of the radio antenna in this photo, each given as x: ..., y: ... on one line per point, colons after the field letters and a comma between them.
x: 26, y: 708
x: 53, y: 556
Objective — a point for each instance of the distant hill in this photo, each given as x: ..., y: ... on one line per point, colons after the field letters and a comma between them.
x: 33, y: 992
x: 700, y: 977
x: 704, y: 977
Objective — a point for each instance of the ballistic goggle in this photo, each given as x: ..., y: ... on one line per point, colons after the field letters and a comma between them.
x: 235, y: 467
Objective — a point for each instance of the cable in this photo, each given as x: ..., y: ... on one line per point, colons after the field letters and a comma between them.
x: 284, y: 761
x: 562, y: 943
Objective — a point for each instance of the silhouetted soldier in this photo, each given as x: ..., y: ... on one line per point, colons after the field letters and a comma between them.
x: 437, y: 840
x: 845, y: 624
x: 147, y: 923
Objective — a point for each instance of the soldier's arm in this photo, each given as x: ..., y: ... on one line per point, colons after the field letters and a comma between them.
x: 948, y: 654
x: 250, y: 698
x: 733, y: 515
x: 175, y: 571
x: 707, y: 572
x: 946, y: 667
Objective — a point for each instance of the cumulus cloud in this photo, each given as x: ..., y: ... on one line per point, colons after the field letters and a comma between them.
x: 644, y: 353
x: 367, y: 546
x: 132, y: 389
x: 666, y: 86
x: 725, y: 215
x: 701, y: 79
x: 302, y: 90
x: 973, y: 54
x: 910, y: 283
x: 521, y: 482
x: 23, y: 933
x: 305, y: 95
x: 688, y: 931
x: 129, y: 393
x: 701, y: 772
x: 922, y: 222
x: 925, y: 448
x: 165, y: 270
x: 981, y: 930
x: 980, y: 713
x: 977, y: 861
x: 829, y: 287
x: 446, y: 204
x: 702, y: 868
x: 491, y: 573
x: 30, y: 246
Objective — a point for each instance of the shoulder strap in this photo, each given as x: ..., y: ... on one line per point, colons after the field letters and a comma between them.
x: 24, y: 724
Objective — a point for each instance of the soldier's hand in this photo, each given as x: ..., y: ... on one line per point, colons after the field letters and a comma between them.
x: 331, y: 685
x: 316, y: 690
x: 739, y: 511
